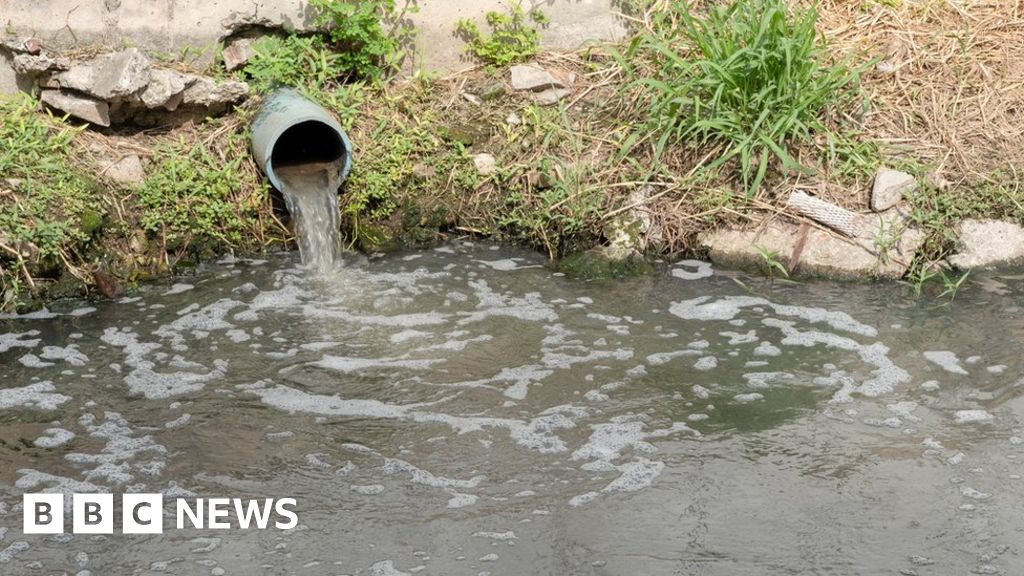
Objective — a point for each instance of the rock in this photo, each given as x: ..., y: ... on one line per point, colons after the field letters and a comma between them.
x: 79, y: 106
x: 889, y: 188
x: 472, y: 99
x: 423, y: 172
x: 36, y: 64
x: 989, y: 244
x: 485, y: 164
x: 112, y: 76
x: 823, y: 254
x: 127, y: 170
x: 33, y: 46
x: 550, y: 97
x: 208, y: 93
x: 533, y: 78
x: 236, y: 53
x: 633, y: 231
x: 603, y: 263
x: 493, y: 91
x: 166, y: 89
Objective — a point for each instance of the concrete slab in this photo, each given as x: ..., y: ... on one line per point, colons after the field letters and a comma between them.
x: 171, y: 25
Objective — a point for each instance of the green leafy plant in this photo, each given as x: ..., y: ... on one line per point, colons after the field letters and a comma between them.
x: 194, y: 197
x: 513, y: 37
x: 747, y: 76
x: 295, y: 61
x: 371, y: 37
x: 45, y: 204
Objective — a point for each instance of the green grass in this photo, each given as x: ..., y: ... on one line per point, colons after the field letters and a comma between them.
x: 294, y: 61
x: 513, y: 37
x: 196, y: 198
x: 371, y: 38
x: 751, y: 77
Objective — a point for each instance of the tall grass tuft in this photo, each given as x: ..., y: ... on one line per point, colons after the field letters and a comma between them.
x: 750, y: 76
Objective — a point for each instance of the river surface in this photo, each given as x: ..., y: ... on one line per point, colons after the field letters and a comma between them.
x: 466, y: 411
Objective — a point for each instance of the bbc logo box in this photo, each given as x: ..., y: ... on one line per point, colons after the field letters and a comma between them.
x: 92, y: 514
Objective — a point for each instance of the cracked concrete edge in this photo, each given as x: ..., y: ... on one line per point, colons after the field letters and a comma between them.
x: 170, y: 26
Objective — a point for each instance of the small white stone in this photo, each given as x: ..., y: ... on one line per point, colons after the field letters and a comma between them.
x: 485, y: 164
x: 889, y: 188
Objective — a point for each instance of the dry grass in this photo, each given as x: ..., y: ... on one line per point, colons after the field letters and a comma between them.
x: 949, y: 87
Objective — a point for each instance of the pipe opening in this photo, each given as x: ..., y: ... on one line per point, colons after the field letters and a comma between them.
x: 310, y: 142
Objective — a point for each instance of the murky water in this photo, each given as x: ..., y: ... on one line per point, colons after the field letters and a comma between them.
x: 310, y: 192
x: 466, y: 411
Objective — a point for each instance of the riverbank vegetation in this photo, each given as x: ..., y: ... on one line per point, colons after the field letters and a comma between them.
x: 705, y: 116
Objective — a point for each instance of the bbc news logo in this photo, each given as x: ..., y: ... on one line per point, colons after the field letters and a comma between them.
x: 144, y: 513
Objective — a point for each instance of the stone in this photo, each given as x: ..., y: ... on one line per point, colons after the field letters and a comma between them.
x: 110, y: 77
x: 127, y: 170
x: 33, y: 46
x: 209, y: 93
x: 889, y: 188
x: 237, y: 53
x: 633, y: 230
x: 824, y: 254
x: 36, y: 64
x: 550, y: 97
x: 485, y: 164
x: 77, y: 105
x: 989, y: 244
x: 166, y: 89
x: 533, y: 78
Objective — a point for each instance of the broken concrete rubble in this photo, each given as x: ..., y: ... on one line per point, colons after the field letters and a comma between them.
x: 989, y: 244
x: 108, y: 76
x: 165, y: 89
x: 886, y: 254
x: 81, y: 107
x: 533, y: 78
x: 209, y: 93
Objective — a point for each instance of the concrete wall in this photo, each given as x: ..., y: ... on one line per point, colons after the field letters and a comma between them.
x: 169, y: 25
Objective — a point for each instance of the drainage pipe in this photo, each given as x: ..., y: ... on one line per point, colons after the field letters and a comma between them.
x: 290, y: 129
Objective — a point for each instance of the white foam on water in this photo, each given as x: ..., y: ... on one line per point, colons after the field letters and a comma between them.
x: 930, y: 386
x: 11, y: 552
x: 736, y: 338
x: 528, y: 308
x: 367, y: 490
x: 997, y: 369
x: 386, y: 568
x: 144, y: 381
x: 179, y: 422
x: 706, y: 363
x: 18, y: 340
x: 348, y: 364
x: 461, y: 500
x: 33, y: 361
x: 498, y: 536
x: 704, y: 308
x: 492, y: 557
x: 178, y: 288
x: 973, y: 494
x: 54, y: 437
x: 766, y: 348
x: 701, y: 392
x: 946, y: 360
x: 758, y: 380
x: 904, y: 410
x: 394, y: 466
x: 973, y: 417
x: 69, y: 354
x: 751, y: 397
x: 700, y: 270
x: 506, y: 264
x: 117, y: 461
x: 406, y: 335
x: 37, y: 396
x: 635, y: 476
x: 887, y: 375
x: 659, y: 358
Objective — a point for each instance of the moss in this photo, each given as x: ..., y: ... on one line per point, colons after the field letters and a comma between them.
x: 599, y: 264
x: 375, y: 239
